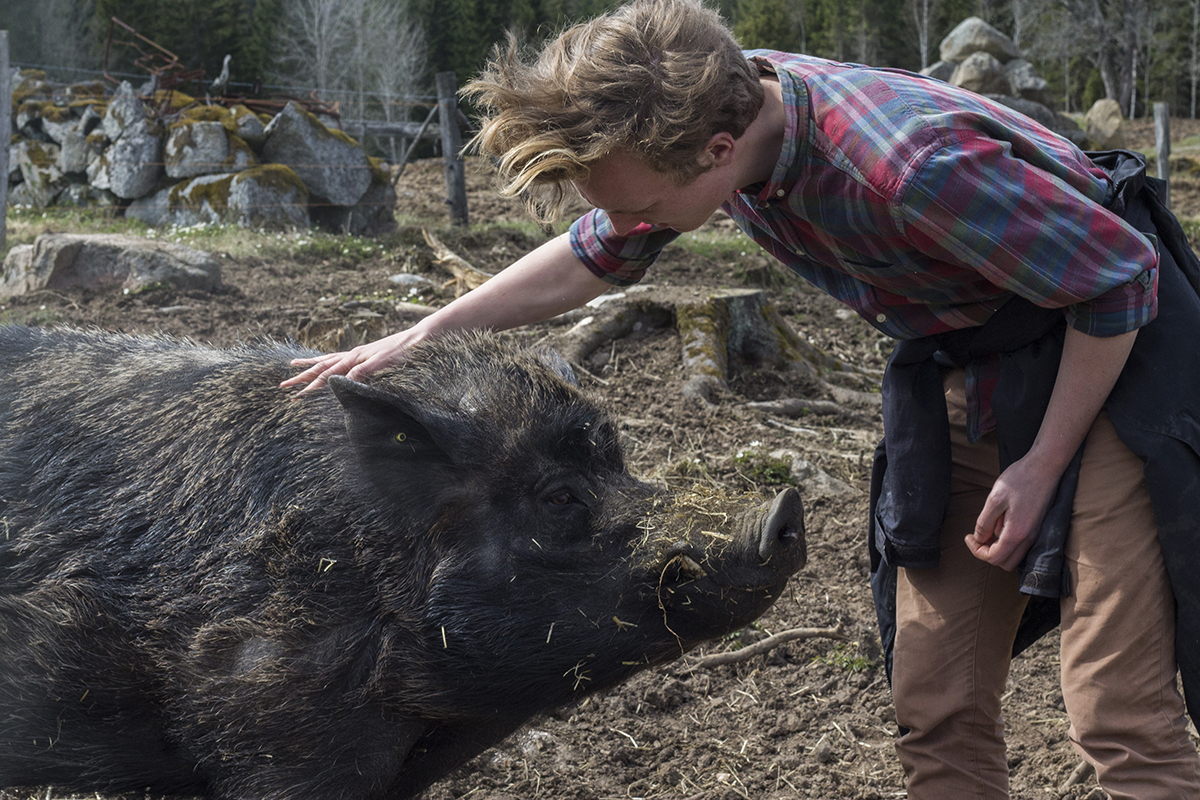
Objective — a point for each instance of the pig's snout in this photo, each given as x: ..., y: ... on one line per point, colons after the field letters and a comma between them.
x: 781, y: 537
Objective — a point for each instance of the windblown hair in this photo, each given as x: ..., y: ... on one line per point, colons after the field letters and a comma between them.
x: 654, y: 78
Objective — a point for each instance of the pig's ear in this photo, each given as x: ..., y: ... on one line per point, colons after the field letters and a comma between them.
x: 389, y: 426
x: 557, y: 364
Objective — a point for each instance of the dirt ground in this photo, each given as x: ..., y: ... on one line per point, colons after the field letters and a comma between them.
x: 811, y: 719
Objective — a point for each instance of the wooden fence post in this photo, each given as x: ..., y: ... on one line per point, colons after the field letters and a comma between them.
x: 456, y: 186
x: 1162, y: 143
x: 5, y: 135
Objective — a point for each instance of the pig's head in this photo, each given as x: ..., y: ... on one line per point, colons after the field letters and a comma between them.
x: 537, y: 569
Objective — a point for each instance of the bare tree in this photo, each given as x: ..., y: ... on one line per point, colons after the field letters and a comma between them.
x: 1053, y: 33
x: 922, y: 12
x: 1153, y: 38
x: 366, y: 53
x: 398, y: 55
x: 314, y: 42
x: 1194, y: 55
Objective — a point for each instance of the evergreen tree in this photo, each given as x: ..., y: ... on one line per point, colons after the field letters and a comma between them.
x: 769, y: 24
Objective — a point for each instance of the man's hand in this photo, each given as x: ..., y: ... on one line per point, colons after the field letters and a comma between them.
x: 357, y: 363
x: 1012, y: 515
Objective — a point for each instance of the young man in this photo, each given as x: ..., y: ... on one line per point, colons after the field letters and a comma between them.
x: 1031, y: 378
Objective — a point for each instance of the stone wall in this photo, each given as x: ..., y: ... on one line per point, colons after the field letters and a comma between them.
x: 169, y: 159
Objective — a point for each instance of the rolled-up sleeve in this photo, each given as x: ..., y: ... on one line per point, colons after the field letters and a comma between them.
x: 620, y: 260
x: 1034, y: 234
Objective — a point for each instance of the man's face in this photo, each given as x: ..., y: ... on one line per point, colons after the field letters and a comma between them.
x: 631, y: 192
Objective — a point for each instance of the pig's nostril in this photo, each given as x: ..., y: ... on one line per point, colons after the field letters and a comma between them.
x: 783, y: 527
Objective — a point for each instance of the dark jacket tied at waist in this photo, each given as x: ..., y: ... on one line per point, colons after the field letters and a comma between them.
x: 1155, y: 408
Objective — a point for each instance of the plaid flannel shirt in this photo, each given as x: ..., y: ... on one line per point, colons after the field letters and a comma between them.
x: 923, y: 207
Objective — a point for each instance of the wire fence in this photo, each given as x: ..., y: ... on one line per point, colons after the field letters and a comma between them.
x: 188, y: 192
x: 406, y: 100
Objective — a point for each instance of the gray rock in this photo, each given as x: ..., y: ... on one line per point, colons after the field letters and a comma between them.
x: 372, y: 214
x: 14, y: 169
x: 105, y: 262
x: 20, y: 195
x: 133, y: 163
x: 269, y: 196
x: 973, y: 35
x: 78, y: 151
x: 1035, y: 111
x: 57, y: 130
x: 41, y: 177
x: 248, y: 126
x: 1105, y: 125
x: 124, y: 110
x: 1026, y: 83
x: 155, y: 209
x: 981, y: 73
x: 332, y: 165
x: 942, y: 70
x: 86, y: 196
x: 203, y: 148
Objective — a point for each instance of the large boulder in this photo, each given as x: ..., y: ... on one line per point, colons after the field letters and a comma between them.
x: 973, y: 35
x: 942, y: 70
x: 40, y: 174
x: 79, y: 149
x: 204, y: 148
x: 105, y: 262
x: 1105, y: 125
x: 132, y: 165
x: 124, y: 110
x: 1024, y: 82
x: 982, y: 73
x: 371, y: 215
x: 267, y: 196
x: 332, y: 165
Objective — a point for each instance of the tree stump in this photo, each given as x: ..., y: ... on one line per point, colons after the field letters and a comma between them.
x: 714, y: 327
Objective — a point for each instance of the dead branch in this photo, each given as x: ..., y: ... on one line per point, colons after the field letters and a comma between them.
x: 466, y: 277
x: 768, y: 644
x: 798, y: 406
x: 1080, y: 774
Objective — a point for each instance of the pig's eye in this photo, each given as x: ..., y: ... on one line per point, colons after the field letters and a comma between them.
x: 561, y: 497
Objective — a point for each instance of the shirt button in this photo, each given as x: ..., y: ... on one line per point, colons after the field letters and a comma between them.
x: 780, y: 192
x: 881, y: 318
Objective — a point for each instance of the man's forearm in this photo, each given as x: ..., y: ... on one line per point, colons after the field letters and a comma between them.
x: 1090, y: 367
x: 540, y: 285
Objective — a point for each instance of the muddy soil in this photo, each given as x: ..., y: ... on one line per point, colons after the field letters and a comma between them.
x: 812, y: 718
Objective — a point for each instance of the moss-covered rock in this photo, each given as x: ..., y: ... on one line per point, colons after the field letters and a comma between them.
x: 267, y: 196
x: 332, y: 165
x: 204, y: 147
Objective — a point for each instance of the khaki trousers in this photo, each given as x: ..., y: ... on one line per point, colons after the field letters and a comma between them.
x: 956, y: 625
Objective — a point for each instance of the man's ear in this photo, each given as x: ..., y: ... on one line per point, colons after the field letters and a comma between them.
x: 719, y: 150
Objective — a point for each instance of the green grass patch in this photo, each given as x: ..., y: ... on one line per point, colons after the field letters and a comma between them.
x: 762, y: 469
x: 843, y: 657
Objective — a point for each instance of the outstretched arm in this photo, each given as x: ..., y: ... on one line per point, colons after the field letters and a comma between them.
x: 538, y: 286
x: 1012, y: 515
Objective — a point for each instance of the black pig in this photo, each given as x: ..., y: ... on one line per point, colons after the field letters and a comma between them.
x: 209, y: 588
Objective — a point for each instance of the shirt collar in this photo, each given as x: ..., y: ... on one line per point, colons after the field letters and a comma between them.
x: 795, y: 98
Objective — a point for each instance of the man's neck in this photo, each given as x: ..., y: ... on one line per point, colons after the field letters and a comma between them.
x: 759, y: 147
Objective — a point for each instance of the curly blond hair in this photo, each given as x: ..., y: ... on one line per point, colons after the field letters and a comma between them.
x: 654, y: 78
